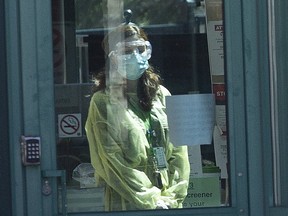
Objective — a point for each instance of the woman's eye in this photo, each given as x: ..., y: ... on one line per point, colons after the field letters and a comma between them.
x: 129, y: 51
x: 141, y: 49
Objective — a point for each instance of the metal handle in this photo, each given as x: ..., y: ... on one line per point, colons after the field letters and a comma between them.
x: 62, y: 175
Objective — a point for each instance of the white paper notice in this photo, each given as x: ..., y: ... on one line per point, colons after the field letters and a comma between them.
x: 191, y: 118
x: 215, y: 47
x: 195, y: 159
x: 220, y: 146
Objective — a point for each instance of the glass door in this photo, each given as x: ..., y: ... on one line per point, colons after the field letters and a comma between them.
x: 185, y: 58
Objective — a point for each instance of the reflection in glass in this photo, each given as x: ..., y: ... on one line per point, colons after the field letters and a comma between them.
x: 180, y: 36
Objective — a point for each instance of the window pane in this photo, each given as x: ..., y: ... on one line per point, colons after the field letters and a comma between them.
x: 114, y: 81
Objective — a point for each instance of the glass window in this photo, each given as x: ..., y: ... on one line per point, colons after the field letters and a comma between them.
x: 121, y: 77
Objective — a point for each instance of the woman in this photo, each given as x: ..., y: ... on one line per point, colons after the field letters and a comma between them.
x: 127, y: 129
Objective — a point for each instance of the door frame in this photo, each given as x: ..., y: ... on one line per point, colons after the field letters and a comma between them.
x: 31, y: 111
x: 5, y: 178
x: 31, y: 107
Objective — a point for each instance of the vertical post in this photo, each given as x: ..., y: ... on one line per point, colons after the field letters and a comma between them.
x: 5, y: 178
x: 15, y: 115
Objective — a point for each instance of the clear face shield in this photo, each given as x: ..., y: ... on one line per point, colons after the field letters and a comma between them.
x: 140, y: 47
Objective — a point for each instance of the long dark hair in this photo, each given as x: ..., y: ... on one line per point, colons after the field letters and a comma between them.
x: 148, y: 83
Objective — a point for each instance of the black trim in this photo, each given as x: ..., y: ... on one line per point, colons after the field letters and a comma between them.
x: 5, y: 175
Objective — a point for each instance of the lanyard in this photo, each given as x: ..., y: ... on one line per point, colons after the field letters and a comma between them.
x: 146, y: 118
x: 151, y: 137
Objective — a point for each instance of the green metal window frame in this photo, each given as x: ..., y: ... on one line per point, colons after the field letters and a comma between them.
x: 279, y: 79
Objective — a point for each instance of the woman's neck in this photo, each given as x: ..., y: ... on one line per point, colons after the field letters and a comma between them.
x: 132, y: 86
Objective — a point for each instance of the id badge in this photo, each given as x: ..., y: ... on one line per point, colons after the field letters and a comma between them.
x: 160, y: 157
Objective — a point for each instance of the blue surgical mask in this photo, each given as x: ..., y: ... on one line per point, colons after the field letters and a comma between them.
x: 132, y: 66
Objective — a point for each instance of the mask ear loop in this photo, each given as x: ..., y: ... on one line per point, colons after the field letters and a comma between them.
x: 112, y: 53
x: 113, y: 59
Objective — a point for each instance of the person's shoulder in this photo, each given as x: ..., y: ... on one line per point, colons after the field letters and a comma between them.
x: 99, y: 97
x: 163, y: 91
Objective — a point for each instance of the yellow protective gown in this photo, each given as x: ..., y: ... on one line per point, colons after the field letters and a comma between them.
x: 119, y: 153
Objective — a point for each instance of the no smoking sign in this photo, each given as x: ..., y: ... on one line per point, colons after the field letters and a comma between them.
x: 69, y: 125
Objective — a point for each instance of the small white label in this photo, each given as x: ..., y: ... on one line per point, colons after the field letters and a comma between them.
x: 160, y: 156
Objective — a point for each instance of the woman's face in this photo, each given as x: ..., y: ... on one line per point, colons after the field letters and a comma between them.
x: 132, y: 58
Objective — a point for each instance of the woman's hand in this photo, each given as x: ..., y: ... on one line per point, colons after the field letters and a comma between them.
x: 161, y: 205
